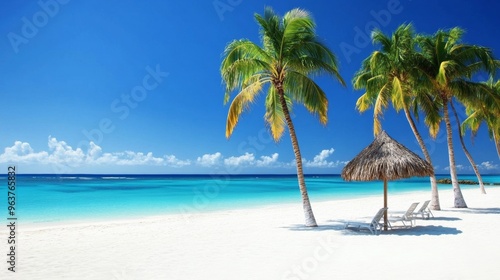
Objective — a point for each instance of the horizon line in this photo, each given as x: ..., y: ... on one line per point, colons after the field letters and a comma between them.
x: 208, y: 174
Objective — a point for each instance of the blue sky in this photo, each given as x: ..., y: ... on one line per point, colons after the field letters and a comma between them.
x: 134, y: 87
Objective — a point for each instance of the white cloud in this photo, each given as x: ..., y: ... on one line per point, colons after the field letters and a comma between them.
x: 133, y: 158
x: 208, y: 160
x: 107, y: 158
x: 320, y: 160
x: 488, y: 165
x: 21, y: 152
x: 64, y: 154
x: 458, y: 167
x: 95, y: 156
x: 61, y: 154
x: 249, y: 159
x: 172, y: 161
x: 94, y: 151
x: 267, y: 161
x: 243, y: 160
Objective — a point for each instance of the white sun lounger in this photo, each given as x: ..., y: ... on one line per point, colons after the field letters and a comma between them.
x: 424, y: 211
x: 407, y: 217
x: 374, y: 226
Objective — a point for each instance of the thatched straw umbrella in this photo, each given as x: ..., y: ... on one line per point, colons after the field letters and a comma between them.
x: 385, y: 159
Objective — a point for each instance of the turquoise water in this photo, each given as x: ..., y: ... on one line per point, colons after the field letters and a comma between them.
x: 52, y: 198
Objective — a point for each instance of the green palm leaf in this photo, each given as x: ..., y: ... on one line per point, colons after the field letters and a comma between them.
x: 274, y: 117
x: 305, y: 91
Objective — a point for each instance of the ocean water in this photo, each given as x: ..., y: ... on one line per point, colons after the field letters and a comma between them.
x: 56, y: 198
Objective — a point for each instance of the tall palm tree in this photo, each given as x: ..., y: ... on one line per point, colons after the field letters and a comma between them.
x: 388, y: 75
x: 448, y: 65
x: 289, y: 55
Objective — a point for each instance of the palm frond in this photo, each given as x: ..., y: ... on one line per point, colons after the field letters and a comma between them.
x: 360, y: 78
x: 242, y: 101
x: 364, y: 102
x: 397, y: 94
x: 381, y: 103
x: 312, y: 58
x: 431, y: 107
x: 274, y: 116
x: 378, y: 37
x: 242, y: 60
x: 442, y: 74
x: 452, y: 37
x: 303, y: 90
x: 380, y: 62
x: 298, y: 27
x: 271, y: 30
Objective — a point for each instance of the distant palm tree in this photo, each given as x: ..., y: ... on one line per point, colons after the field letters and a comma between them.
x: 448, y: 67
x: 485, y: 108
x: 290, y: 54
x: 389, y: 75
x: 466, y: 151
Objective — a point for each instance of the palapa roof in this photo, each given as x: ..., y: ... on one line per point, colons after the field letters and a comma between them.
x: 385, y: 159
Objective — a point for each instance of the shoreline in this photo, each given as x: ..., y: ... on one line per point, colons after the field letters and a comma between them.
x: 198, y: 198
x: 354, y: 198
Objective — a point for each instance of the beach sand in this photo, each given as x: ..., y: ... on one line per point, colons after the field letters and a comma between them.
x: 270, y: 243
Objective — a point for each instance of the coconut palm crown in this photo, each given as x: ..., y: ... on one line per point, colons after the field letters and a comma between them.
x: 289, y: 55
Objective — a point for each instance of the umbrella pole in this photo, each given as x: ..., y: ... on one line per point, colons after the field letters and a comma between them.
x: 385, y: 205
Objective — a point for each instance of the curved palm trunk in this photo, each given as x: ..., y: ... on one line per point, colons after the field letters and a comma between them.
x: 497, y: 144
x: 306, y: 204
x: 434, y: 205
x: 459, y: 201
x: 469, y: 156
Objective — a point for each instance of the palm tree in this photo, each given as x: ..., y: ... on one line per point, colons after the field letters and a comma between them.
x: 448, y: 66
x: 486, y: 107
x: 289, y: 55
x: 466, y: 151
x: 388, y: 75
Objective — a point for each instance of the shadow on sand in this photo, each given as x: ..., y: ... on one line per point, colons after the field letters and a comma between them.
x: 423, y: 230
x: 320, y: 227
x: 414, y: 231
x: 443, y: 219
x: 474, y: 210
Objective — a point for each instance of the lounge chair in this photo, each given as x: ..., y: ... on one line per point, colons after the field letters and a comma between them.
x: 424, y: 211
x: 374, y: 226
x: 407, y: 217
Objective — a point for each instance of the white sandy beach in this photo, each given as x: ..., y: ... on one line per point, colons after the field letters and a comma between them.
x: 271, y: 243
